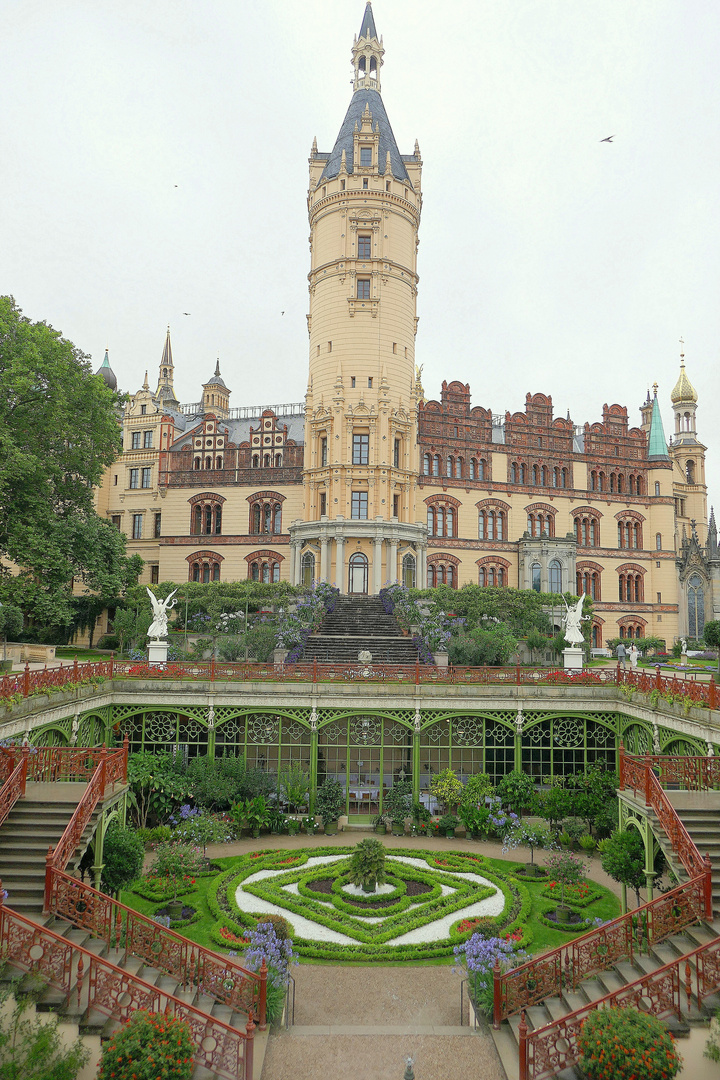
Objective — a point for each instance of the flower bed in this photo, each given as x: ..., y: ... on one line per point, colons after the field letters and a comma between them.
x: 579, y: 895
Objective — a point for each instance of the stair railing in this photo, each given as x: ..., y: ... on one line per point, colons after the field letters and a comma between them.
x: 93, y: 983
x: 14, y: 787
x: 548, y: 1050
x: 547, y: 975
x: 192, y: 965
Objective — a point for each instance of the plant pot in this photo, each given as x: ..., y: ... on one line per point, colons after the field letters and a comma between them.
x: 368, y: 886
x: 175, y: 909
x: 256, y: 832
x: 331, y: 828
x: 563, y: 913
x: 381, y: 829
x: 450, y: 833
x: 531, y: 870
x: 398, y: 830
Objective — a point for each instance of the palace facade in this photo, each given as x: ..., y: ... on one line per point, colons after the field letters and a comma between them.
x: 367, y: 482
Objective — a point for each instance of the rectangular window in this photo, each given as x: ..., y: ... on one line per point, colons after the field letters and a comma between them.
x: 363, y: 289
x: 137, y: 526
x: 370, y: 383
x: 365, y: 184
x: 135, y: 440
x: 659, y: 598
x: 352, y: 382
x: 361, y: 449
x: 323, y: 451
x: 396, y: 454
x: 396, y: 506
x: 364, y: 247
x: 147, y: 440
x: 134, y: 478
x: 359, y: 505
x: 115, y: 480
x: 323, y: 504
x: 158, y: 525
x: 366, y: 156
x: 154, y: 574
x: 147, y: 478
x: 143, y: 410
x: 116, y: 520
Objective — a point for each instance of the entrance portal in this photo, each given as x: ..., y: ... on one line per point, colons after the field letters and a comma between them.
x: 358, y: 573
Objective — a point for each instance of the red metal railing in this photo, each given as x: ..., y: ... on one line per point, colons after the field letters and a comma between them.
x: 28, y: 682
x: 548, y: 1050
x: 91, y: 983
x: 546, y: 975
x: 111, y: 768
x: 190, y: 964
x: 14, y: 786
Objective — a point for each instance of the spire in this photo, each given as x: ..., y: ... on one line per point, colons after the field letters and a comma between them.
x: 146, y: 384
x: 657, y: 446
x: 684, y: 391
x: 107, y: 373
x: 367, y: 30
x: 165, y: 390
x: 712, y: 540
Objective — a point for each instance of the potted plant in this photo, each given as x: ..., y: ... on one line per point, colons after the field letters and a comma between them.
x: 397, y: 805
x: 447, y: 789
x: 295, y: 785
x: 293, y: 826
x: 329, y: 804
x: 256, y: 814
x: 175, y: 862
x: 379, y: 824
x: 367, y: 865
x: 447, y: 824
x: 522, y: 834
x: 566, y: 869
x: 309, y: 824
x: 276, y: 820
x: 421, y: 817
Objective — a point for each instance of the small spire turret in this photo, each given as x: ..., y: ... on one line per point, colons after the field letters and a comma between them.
x: 367, y: 54
x: 165, y: 389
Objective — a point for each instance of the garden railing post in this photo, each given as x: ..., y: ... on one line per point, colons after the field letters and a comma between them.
x: 712, y: 700
x: 517, y: 674
x: 522, y: 1047
x: 75, y: 670
x: 497, y: 994
x: 112, y: 663
x: 212, y: 668
x: 658, y: 680
x: 249, y: 1047
x: 262, y: 1019
x: 26, y: 680
x: 126, y: 747
x: 25, y: 755
x: 417, y: 672
x: 648, y: 779
x: 48, y: 879
x: 708, y: 887
x: 103, y: 771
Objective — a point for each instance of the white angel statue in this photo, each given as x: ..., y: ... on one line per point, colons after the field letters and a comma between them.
x: 159, y: 626
x: 573, y: 620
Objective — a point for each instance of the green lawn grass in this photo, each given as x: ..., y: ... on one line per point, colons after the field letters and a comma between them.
x: 544, y: 937
x: 69, y: 652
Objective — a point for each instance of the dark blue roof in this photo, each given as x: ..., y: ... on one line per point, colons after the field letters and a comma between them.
x: 344, y: 141
x: 368, y: 24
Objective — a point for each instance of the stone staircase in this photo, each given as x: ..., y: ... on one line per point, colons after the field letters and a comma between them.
x: 34, y: 824
x: 360, y: 624
x: 606, y: 982
x: 700, y: 814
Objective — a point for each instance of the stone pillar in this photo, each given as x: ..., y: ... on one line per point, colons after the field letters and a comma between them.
x: 294, y: 560
x: 323, y: 558
x: 392, y: 561
x: 421, y: 577
x: 377, y: 565
x: 340, y: 562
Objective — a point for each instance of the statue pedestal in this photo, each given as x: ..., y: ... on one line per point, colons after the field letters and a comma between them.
x: 573, y: 659
x: 157, y: 652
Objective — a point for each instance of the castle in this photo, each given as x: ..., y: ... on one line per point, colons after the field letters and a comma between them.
x: 367, y: 482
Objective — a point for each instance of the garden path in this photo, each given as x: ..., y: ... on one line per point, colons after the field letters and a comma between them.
x: 364, y: 1021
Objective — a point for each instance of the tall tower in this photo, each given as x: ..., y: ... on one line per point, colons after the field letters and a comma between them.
x: 364, y: 204
x: 688, y: 455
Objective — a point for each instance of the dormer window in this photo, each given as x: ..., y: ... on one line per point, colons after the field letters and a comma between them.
x: 366, y: 156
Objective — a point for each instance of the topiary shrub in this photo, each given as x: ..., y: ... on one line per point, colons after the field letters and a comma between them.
x: 123, y: 853
x: 367, y: 865
x: 150, y: 1046
x: 627, y: 1045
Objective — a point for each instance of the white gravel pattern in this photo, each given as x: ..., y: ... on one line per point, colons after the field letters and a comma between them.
x: 307, y: 928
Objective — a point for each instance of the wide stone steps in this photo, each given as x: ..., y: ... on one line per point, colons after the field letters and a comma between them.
x: 704, y: 829
x: 360, y: 624
x: 591, y: 990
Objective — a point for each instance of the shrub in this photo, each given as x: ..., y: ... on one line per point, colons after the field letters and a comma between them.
x: 516, y: 789
x: 523, y: 835
x: 565, y: 869
x: 367, y: 864
x: 123, y: 853
x: 277, y: 952
x: 398, y: 802
x: 330, y: 800
x: 446, y: 788
x: 149, y: 1046
x: 176, y: 861
x: 625, y: 1044
x: 31, y: 1049
x: 587, y: 842
x: 476, y: 959
x: 623, y: 858
x: 109, y: 641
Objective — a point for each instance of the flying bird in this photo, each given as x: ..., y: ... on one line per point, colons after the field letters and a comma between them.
x: 282, y: 312
x: 186, y: 313
x: 609, y: 139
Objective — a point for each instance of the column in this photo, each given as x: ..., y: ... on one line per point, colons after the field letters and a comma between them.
x: 392, y: 561
x: 340, y: 562
x: 377, y: 565
x: 323, y: 558
x: 294, y: 558
x: 421, y: 582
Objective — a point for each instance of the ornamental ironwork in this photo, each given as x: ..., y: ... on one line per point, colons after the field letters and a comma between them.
x: 568, y: 731
x: 161, y: 727
x: 468, y: 731
x: 264, y: 729
x: 365, y: 730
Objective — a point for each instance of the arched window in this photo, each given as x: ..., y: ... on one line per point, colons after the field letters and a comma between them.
x: 621, y: 483
x: 492, y: 574
x: 630, y: 587
x: 458, y: 468
x: 657, y: 486
x: 441, y: 519
x: 587, y: 530
x: 612, y: 481
x: 535, y: 571
x: 540, y: 523
x: 441, y: 570
x: 523, y: 474
x: 555, y: 569
x: 265, y: 514
x: 629, y: 533
x: 307, y: 569
x: 565, y: 477
x: 492, y: 524
x: 632, y: 484
x: 408, y: 571
x: 513, y: 473
x: 482, y: 469
x: 206, y: 515
x: 543, y: 476
x: 204, y: 567
x: 278, y: 461
x: 588, y: 580
x: 696, y: 606
x: 473, y: 469
x: 196, y: 464
x: 556, y: 477
x: 256, y: 461
x: 208, y: 463
x: 535, y: 475
x: 690, y: 471
x: 449, y: 467
x: 640, y: 485
x: 263, y: 567
x: 358, y: 573
x: 593, y: 481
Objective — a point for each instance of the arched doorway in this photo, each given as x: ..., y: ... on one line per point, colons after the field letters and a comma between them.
x: 358, y: 573
x: 308, y: 569
x: 408, y: 570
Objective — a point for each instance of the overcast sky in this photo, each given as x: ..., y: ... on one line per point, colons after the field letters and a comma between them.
x: 154, y: 161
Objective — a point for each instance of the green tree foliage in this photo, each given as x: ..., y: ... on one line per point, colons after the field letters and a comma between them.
x: 446, y: 788
x: 367, y: 865
x: 58, y: 433
x: 33, y: 1049
x: 623, y: 858
x: 517, y: 790
x: 521, y: 610
x: 711, y: 635
x: 11, y: 623
x: 482, y: 647
x: 123, y: 853
x: 158, y: 784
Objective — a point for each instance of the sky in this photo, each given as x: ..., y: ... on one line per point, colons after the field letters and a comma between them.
x: 154, y: 162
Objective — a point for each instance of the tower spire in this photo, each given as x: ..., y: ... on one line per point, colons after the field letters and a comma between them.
x: 657, y: 446
x: 165, y: 389
x: 367, y: 54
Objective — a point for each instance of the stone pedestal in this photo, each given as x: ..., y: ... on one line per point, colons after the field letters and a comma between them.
x: 279, y: 656
x: 440, y: 659
x: 572, y: 659
x: 157, y: 652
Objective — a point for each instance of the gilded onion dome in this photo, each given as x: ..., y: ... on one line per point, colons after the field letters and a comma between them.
x: 684, y: 389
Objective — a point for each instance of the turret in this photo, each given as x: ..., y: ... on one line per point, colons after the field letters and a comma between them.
x: 216, y: 396
x: 165, y: 390
x: 107, y: 373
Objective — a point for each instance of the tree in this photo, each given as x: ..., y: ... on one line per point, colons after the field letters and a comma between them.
x: 11, y: 623
x: 59, y: 431
x: 623, y: 858
x: 33, y: 1049
x: 123, y: 854
x: 446, y: 788
x: 711, y: 636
